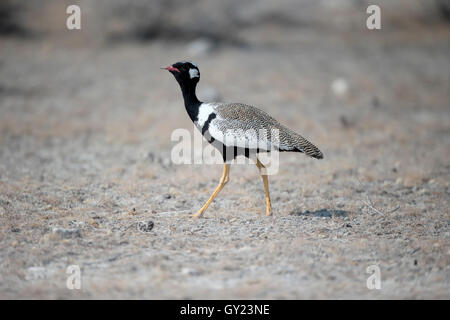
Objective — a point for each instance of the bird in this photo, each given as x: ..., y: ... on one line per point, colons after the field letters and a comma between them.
x: 224, y: 125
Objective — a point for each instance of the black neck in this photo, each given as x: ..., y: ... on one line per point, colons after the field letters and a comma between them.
x: 191, y: 102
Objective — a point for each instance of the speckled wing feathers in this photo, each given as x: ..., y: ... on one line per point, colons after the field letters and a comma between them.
x: 240, y: 117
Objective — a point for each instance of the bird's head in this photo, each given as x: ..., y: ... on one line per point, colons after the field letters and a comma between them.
x: 185, y: 72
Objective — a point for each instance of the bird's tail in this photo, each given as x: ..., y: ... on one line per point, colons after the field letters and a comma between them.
x: 311, y: 150
x: 299, y: 144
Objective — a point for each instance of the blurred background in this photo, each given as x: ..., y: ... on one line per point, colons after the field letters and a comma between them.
x: 85, y: 123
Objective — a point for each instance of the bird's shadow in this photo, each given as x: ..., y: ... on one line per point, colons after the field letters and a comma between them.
x: 323, y: 213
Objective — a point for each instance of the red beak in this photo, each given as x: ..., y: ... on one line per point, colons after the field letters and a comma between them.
x: 170, y: 68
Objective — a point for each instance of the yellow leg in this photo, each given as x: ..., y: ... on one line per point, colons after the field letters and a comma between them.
x: 223, y: 181
x: 262, y: 171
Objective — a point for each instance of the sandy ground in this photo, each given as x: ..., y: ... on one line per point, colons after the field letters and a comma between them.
x: 85, y: 156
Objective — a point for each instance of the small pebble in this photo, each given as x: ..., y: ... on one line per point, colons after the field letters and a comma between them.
x: 375, y: 102
x: 145, y: 226
x: 339, y: 86
x: 189, y: 272
x: 200, y: 46
x: 67, y: 233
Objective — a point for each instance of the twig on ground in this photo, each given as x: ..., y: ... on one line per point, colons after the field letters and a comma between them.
x: 369, y: 202
x: 174, y: 211
x: 395, y: 209
x: 373, y: 208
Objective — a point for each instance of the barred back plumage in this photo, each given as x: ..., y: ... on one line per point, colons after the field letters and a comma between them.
x: 245, y: 117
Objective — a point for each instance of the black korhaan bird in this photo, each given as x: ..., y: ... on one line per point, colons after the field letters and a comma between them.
x: 225, y: 125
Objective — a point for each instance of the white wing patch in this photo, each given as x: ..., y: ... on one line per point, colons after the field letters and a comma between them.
x: 240, y: 138
x: 203, y: 112
x: 231, y: 132
x: 193, y: 73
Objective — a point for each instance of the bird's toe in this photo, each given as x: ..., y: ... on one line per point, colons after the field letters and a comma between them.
x: 197, y: 215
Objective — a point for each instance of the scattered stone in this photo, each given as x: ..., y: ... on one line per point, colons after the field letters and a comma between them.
x: 15, y: 229
x: 77, y: 224
x: 67, y: 233
x: 339, y: 87
x: 167, y: 196
x: 375, y: 102
x: 190, y: 272
x: 36, y: 273
x: 145, y: 226
x: 345, y: 122
x: 93, y: 223
x: 151, y: 156
x: 199, y: 47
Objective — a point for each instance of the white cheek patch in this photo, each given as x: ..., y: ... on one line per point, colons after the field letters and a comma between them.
x: 193, y: 73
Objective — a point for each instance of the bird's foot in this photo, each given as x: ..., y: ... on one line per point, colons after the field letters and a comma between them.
x: 197, y: 215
